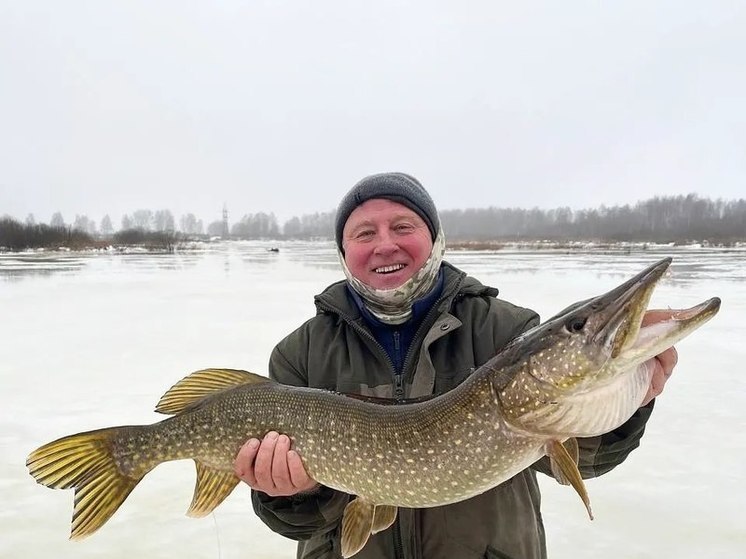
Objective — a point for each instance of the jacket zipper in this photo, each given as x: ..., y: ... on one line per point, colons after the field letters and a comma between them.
x: 398, y: 376
x: 399, y: 386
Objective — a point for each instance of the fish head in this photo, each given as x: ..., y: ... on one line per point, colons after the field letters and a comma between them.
x: 583, y: 350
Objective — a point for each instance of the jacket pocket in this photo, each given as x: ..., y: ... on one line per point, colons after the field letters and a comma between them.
x: 493, y: 553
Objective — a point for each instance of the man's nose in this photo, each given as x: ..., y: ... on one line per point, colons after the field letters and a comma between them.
x: 386, y: 243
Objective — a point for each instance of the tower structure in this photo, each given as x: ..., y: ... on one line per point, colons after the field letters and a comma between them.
x: 226, y: 233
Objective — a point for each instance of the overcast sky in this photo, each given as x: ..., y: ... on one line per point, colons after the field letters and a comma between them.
x: 280, y: 106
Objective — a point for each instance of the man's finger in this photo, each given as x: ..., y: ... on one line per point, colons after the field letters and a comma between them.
x: 244, y: 464
x: 668, y: 360
x: 280, y: 473
x: 657, y: 382
x: 263, y: 462
x: 298, y: 474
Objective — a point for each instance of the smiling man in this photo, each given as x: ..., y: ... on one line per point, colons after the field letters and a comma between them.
x: 385, y: 243
x: 406, y: 324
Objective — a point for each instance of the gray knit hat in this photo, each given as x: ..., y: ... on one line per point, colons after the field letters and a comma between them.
x: 397, y: 187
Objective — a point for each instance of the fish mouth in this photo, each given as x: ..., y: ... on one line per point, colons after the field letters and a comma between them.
x: 618, y: 313
x: 618, y: 317
x: 654, y: 338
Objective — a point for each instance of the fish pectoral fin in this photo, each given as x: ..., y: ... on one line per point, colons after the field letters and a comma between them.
x: 571, y: 446
x: 84, y: 461
x: 200, y: 384
x: 383, y: 517
x: 211, y: 489
x: 565, y: 469
x: 357, y: 523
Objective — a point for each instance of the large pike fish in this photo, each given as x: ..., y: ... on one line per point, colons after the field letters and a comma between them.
x: 581, y: 373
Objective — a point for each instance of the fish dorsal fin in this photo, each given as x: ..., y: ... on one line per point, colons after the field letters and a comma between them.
x: 200, y: 384
x: 564, y: 463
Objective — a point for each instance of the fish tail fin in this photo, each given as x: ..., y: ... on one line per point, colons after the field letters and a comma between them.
x: 86, y: 463
x: 212, y: 487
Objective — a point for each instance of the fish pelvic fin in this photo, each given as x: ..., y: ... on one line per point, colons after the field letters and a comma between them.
x: 86, y: 463
x: 571, y: 446
x: 194, y: 388
x: 564, y: 463
x: 211, y: 489
x: 383, y: 517
x: 357, y: 524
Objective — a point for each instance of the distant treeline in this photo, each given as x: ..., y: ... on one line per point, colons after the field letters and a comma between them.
x: 265, y: 226
x: 19, y: 236
x: 660, y: 219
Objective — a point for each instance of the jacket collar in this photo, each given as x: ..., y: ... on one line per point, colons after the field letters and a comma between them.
x: 336, y: 298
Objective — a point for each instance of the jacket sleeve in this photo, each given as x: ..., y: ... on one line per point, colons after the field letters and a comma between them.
x: 602, y: 454
x: 307, y: 514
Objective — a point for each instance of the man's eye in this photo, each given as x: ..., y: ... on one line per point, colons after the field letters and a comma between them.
x: 364, y: 234
x: 403, y: 228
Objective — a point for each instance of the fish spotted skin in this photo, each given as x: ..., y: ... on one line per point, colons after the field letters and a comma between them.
x: 580, y: 373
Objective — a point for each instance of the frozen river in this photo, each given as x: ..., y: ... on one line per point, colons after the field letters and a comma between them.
x: 93, y: 340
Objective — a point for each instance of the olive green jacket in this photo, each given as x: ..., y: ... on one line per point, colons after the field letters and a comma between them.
x: 464, y: 328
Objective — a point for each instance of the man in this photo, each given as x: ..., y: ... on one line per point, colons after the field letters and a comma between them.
x: 406, y: 324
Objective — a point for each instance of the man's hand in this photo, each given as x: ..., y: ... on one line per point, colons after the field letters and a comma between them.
x: 663, y: 363
x: 271, y: 467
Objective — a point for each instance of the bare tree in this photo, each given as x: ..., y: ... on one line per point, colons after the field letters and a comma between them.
x: 106, y: 227
x: 256, y: 226
x: 142, y: 219
x: 188, y: 224
x: 292, y: 228
x: 81, y: 223
x: 215, y: 229
x: 57, y: 220
x: 163, y: 220
x: 308, y: 226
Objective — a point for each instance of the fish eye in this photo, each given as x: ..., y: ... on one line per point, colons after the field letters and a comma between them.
x: 576, y: 324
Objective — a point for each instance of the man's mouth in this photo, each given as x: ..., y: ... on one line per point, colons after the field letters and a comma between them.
x: 388, y: 269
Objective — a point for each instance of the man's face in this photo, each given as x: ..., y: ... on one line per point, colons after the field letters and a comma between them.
x: 385, y: 243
